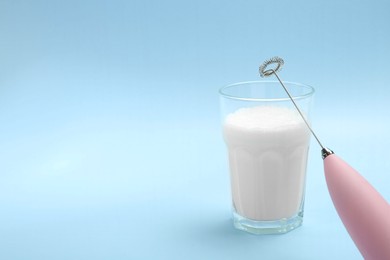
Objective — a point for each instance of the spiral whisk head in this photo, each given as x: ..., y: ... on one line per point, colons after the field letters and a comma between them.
x: 265, y: 72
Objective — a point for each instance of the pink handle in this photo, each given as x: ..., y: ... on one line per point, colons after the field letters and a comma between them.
x: 364, y: 212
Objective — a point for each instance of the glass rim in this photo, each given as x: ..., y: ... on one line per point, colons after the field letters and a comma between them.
x: 223, y: 94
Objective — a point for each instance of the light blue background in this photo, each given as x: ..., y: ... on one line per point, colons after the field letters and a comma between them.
x: 110, y: 144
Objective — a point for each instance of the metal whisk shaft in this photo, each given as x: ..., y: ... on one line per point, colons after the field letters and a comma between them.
x: 264, y: 72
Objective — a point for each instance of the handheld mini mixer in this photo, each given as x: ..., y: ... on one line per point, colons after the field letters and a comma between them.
x: 363, y: 211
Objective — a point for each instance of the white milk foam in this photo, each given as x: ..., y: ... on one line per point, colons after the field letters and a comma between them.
x: 268, y: 147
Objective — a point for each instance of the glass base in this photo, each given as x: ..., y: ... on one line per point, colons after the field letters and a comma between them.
x: 280, y: 226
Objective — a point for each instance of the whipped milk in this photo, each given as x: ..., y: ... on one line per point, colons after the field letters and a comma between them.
x: 268, y: 148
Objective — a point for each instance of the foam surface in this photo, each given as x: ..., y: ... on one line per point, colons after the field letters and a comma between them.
x: 263, y: 117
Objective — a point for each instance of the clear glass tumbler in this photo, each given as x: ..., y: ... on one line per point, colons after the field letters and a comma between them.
x: 268, y: 144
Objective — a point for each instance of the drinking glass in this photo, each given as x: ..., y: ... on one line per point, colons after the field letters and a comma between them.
x: 267, y: 143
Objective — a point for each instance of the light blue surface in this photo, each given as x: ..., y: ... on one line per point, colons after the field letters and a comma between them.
x: 110, y: 144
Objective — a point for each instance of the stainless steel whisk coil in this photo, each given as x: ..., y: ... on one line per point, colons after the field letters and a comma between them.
x: 264, y: 72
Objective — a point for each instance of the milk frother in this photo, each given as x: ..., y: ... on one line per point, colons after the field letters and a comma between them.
x: 363, y: 211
